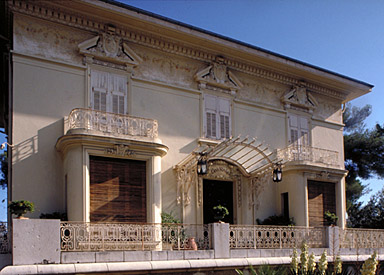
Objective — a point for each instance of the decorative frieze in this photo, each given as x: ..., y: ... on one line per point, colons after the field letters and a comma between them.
x: 53, y: 14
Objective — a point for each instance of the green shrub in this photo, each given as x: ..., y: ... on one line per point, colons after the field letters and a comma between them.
x: 20, y: 208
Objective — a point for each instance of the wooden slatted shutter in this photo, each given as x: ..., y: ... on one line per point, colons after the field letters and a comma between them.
x: 217, y: 117
x: 117, y: 190
x: 108, y: 92
x: 321, y: 198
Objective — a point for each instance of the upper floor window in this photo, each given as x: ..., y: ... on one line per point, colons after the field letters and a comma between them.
x: 108, y: 92
x: 298, y: 131
x: 217, y: 117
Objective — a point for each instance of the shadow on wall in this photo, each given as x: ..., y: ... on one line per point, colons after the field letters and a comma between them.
x: 38, y: 170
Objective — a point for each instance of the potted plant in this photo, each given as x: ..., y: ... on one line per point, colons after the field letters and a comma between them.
x: 219, y: 212
x: 19, y: 208
x: 330, y: 218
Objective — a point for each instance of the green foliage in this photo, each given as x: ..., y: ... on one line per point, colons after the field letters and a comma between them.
x: 54, y: 215
x: 169, y: 218
x: 4, y: 169
x: 364, y: 152
x: 370, y: 215
x: 276, y: 220
x: 330, y: 218
x: 219, y: 212
x: 20, y: 208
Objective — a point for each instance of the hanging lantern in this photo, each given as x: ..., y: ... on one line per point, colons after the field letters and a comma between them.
x: 202, y: 168
x: 277, y: 175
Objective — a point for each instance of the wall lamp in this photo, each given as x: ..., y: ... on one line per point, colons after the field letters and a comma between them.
x: 202, y: 167
x: 277, y: 174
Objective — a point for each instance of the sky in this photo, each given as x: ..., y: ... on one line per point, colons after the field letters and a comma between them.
x: 343, y: 36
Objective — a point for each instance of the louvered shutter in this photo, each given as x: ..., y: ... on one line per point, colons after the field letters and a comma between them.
x: 118, y: 88
x: 210, y: 116
x: 99, y: 86
x: 108, y: 92
x: 294, y: 130
x: 224, y: 108
x: 304, y: 132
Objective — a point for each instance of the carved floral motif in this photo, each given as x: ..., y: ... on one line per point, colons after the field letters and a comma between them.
x: 119, y: 150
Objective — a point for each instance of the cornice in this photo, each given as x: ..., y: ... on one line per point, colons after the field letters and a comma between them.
x: 48, y: 12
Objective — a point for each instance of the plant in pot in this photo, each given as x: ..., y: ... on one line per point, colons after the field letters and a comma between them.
x: 219, y: 212
x: 19, y: 208
x: 330, y: 218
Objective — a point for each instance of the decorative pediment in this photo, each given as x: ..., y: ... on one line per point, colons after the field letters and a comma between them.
x: 298, y: 97
x: 109, y: 47
x: 218, y: 77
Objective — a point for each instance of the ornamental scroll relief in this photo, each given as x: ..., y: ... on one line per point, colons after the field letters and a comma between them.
x: 299, y: 98
x: 220, y: 170
x: 119, y: 150
x: 256, y: 187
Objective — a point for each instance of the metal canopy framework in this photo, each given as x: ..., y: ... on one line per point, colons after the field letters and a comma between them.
x: 249, y: 155
x: 252, y: 157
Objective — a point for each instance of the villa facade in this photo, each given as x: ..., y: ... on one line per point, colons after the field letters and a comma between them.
x: 113, y: 108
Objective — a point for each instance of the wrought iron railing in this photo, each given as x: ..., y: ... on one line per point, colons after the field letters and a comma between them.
x: 111, y: 123
x: 361, y: 238
x: 4, y: 238
x: 262, y: 237
x: 310, y: 154
x: 81, y: 236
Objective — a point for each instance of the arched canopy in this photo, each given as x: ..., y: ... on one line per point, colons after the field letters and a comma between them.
x: 248, y: 154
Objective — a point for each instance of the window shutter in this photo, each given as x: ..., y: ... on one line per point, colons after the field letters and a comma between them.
x: 224, y: 109
x: 99, y: 85
x: 118, y: 88
x: 294, y: 131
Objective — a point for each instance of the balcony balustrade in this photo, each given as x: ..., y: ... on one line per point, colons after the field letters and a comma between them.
x: 277, y: 237
x: 361, y: 238
x: 309, y: 154
x: 79, y: 236
x: 111, y: 124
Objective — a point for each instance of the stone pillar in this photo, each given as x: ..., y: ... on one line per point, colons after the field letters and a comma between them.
x: 35, y: 241
x: 333, y: 239
x: 220, y: 240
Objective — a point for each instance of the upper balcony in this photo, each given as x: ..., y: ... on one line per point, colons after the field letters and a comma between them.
x: 87, y: 121
x: 309, y: 155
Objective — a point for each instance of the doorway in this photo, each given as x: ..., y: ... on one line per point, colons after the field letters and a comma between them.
x: 215, y: 193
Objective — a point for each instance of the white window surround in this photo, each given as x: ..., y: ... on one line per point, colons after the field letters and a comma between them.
x: 298, y: 130
x: 108, y: 91
x: 217, y: 119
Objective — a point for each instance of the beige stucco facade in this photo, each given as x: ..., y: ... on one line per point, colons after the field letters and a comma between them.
x: 58, y: 45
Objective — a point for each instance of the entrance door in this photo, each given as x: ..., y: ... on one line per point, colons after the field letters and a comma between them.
x: 217, y: 193
x: 117, y: 190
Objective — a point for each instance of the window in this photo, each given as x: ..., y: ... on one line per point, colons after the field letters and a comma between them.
x: 217, y: 117
x: 108, y: 92
x: 298, y: 131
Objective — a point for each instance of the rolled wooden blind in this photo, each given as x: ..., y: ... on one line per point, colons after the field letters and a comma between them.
x: 117, y: 190
x: 321, y: 198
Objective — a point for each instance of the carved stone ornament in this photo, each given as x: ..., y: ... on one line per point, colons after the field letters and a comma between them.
x: 298, y: 97
x: 218, y: 77
x: 256, y: 187
x: 109, y: 47
x: 119, y: 150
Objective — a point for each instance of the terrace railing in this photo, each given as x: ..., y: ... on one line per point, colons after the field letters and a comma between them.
x: 361, y: 238
x: 262, y: 237
x: 80, y: 236
x: 111, y: 124
x: 309, y: 154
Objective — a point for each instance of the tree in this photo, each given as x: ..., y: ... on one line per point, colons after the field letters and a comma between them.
x: 364, y: 151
